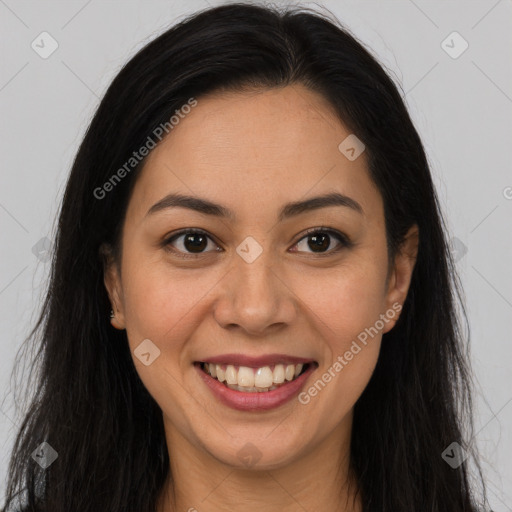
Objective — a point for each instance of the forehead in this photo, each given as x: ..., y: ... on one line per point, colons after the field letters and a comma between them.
x: 253, y: 148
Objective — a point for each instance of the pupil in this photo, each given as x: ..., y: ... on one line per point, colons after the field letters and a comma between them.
x: 321, y: 241
x: 189, y: 239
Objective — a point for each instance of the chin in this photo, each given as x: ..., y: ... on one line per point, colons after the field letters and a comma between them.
x: 254, y: 453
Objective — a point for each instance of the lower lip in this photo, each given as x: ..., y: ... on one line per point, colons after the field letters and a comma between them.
x: 257, y: 401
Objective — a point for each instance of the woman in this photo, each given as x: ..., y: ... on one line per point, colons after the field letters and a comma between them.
x: 252, y: 301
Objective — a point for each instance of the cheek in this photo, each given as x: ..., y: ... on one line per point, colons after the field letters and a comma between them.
x: 345, y: 312
x: 163, y: 304
x: 345, y: 305
x: 344, y: 300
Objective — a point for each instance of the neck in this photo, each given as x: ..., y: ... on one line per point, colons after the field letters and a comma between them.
x: 318, y: 480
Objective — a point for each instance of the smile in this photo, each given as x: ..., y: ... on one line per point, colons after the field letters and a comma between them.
x: 255, y: 383
x: 254, y: 380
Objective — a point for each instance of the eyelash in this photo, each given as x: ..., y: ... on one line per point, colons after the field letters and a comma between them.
x: 344, y: 241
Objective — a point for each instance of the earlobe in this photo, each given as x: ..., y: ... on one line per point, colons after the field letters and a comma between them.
x: 400, y: 280
x: 112, y: 284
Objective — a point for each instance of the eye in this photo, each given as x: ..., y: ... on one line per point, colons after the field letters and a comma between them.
x: 320, y: 239
x: 190, y: 243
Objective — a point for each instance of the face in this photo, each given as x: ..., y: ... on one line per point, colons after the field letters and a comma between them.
x: 262, y: 287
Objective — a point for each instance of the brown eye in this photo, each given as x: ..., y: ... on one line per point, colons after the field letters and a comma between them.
x: 189, y: 243
x: 321, y: 241
x: 194, y: 242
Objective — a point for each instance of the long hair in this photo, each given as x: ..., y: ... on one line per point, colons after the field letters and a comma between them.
x: 89, y: 404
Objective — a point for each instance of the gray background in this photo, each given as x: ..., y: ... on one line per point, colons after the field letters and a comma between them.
x: 461, y: 107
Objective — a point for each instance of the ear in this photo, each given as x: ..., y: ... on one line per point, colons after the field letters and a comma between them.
x: 401, y: 274
x: 112, y: 281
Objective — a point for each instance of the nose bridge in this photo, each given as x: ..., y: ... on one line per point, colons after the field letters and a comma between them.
x: 256, y: 282
x: 254, y: 297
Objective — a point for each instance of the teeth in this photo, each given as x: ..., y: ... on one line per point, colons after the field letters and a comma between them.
x: 263, y: 377
x: 289, y: 372
x: 231, y: 376
x: 252, y: 389
x: 244, y: 378
x: 278, y: 375
x: 221, y: 374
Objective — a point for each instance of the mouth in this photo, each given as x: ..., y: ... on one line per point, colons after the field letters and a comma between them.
x: 249, y: 379
x: 255, y: 384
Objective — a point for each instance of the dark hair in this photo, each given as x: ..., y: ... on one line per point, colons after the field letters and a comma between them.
x: 90, y: 404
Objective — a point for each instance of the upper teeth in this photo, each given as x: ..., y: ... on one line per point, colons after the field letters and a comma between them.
x: 245, y: 376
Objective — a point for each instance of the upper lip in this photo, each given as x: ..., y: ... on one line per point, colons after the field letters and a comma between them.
x: 256, y: 361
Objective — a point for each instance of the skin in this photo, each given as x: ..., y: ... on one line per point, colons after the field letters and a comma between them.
x: 252, y: 152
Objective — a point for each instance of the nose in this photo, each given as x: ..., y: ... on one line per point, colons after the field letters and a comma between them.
x: 255, y: 297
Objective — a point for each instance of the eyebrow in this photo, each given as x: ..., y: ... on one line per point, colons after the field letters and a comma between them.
x: 292, y: 209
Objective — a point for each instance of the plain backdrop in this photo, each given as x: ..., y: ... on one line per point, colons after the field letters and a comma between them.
x: 460, y: 100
